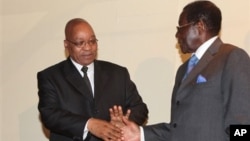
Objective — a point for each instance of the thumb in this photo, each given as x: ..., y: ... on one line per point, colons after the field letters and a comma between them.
x: 128, y: 113
x: 125, y: 120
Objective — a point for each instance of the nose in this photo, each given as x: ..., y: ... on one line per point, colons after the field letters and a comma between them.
x: 87, y: 47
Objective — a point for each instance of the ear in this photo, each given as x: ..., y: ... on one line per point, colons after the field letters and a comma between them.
x: 203, y: 32
x: 66, y: 48
x: 201, y: 26
x: 66, y: 44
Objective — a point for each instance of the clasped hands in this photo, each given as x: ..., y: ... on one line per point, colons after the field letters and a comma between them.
x: 129, y: 130
x: 120, y: 128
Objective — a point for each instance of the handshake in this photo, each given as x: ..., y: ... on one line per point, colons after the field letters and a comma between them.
x: 120, y: 128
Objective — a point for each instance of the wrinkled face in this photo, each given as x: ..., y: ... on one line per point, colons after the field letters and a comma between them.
x: 188, y: 35
x: 81, y: 43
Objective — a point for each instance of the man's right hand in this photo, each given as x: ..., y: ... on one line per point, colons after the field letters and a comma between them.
x: 131, y: 131
x: 104, y: 130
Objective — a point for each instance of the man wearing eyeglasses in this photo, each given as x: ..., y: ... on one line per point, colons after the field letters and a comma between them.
x: 75, y: 95
x: 213, y: 94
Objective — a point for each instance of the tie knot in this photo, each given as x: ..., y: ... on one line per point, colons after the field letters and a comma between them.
x: 191, y: 63
x: 84, y: 69
x: 193, y: 59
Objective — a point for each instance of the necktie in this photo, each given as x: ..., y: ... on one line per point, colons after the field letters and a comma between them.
x: 86, y: 79
x: 192, y: 62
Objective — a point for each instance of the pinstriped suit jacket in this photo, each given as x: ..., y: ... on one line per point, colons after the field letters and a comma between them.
x: 203, y: 111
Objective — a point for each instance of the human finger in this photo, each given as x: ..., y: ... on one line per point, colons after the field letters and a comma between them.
x: 128, y: 113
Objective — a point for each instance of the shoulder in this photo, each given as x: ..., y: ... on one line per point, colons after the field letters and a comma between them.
x: 54, y: 68
x: 233, y: 50
x: 108, y: 65
x: 233, y: 56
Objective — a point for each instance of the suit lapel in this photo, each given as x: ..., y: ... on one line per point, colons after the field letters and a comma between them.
x: 201, y: 65
x: 100, y: 79
x: 75, y: 79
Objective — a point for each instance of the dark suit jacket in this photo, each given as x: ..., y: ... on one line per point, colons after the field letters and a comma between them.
x: 204, y: 110
x: 65, y: 103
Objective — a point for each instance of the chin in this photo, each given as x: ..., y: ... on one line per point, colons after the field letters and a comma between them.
x: 184, y: 51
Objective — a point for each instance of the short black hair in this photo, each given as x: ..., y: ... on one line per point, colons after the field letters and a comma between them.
x: 204, y: 11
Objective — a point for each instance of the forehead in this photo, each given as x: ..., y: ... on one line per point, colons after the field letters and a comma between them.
x: 80, y: 28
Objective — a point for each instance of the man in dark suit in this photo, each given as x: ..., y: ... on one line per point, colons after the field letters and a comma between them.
x: 74, y: 111
x: 216, y: 92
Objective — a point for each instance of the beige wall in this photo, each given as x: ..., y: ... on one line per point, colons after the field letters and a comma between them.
x: 138, y: 34
x: 1, y: 72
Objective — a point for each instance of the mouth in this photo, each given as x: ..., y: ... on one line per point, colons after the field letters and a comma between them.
x: 87, y: 55
x: 179, y: 42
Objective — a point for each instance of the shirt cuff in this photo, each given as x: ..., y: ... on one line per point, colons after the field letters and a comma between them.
x: 85, y: 131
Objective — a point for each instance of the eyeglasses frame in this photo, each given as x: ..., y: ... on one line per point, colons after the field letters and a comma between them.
x: 82, y: 44
x: 184, y: 25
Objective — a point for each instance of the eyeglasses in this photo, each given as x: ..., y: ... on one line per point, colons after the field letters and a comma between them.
x: 81, y: 44
x: 184, y: 25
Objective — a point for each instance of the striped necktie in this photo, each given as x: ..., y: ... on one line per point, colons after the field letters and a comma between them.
x: 192, y: 62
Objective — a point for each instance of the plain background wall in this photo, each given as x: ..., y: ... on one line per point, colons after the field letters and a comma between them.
x: 138, y: 34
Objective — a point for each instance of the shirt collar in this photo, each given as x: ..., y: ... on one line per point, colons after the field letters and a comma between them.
x: 203, y: 48
x: 79, y: 66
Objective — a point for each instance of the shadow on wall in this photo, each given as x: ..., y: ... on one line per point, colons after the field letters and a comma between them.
x: 46, y: 132
x: 154, y: 78
x: 155, y: 74
x: 31, y: 128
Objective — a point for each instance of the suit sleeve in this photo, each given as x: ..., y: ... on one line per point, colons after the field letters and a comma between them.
x: 236, y: 89
x: 134, y: 102
x: 157, y: 132
x: 52, y: 115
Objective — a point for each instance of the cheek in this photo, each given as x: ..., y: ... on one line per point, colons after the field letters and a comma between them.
x: 73, y: 53
x: 192, y: 39
x: 68, y: 50
x: 94, y: 50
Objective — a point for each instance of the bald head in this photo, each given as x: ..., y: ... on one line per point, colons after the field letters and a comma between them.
x: 80, y: 41
x: 72, y: 23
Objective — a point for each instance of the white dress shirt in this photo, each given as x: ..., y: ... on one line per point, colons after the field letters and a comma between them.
x: 90, y: 74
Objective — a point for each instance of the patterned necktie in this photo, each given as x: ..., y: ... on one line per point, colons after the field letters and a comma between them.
x: 192, y: 62
x: 85, y: 78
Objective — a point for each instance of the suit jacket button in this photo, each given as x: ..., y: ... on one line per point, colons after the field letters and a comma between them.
x: 96, y: 111
x: 178, y: 102
x: 175, y: 125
